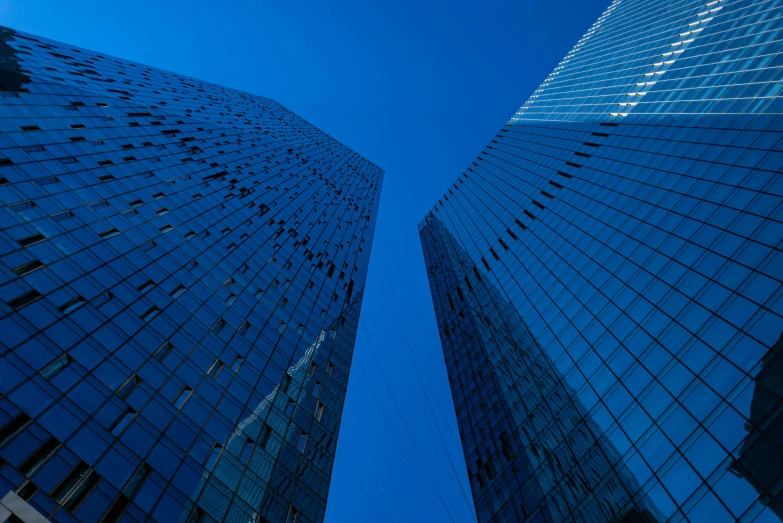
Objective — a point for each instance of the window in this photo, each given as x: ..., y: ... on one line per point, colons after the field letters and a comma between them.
x: 312, y: 368
x: 244, y: 327
x: 231, y: 299
x: 163, y: 351
x: 26, y: 492
x: 72, y: 305
x: 506, y: 446
x: 74, y: 485
x: 237, y: 363
x: 28, y: 267
x: 166, y: 228
x: 31, y: 240
x: 330, y: 368
x: 319, y: 411
x: 25, y: 299
x: 302, y: 444
x: 136, y: 481
x: 267, y: 434
x: 179, y: 291
x: 215, y: 369
x: 108, y: 234
x: 102, y: 299
x: 126, y: 388
x: 39, y: 457
x: 293, y: 515
x: 247, y: 450
x: 62, y: 216
x: 122, y: 422
x: 289, y: 408
x: 54, y: 368
x: 14, y: 427
x: 116, y: 510
x: 286, y: 383
x: 182, y: 397
x: 197, y: 516
x: 48, y: 180
x: 21, y: 206
x: 82, y: 489
x: 317, y: 389
x: 213, y: 456
x: 218, y: 326
x: 150, y: 314
x: 146, y: 286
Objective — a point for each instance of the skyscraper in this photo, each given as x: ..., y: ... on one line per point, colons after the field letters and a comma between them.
x: 607, y: 275
x: 182, y: 272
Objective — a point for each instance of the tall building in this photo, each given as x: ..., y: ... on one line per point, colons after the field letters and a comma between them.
x: 182, y: 267
x: 606, y: 277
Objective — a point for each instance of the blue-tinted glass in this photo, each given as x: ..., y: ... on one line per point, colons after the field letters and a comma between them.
x: 607, y: 277
x: 140, y: 209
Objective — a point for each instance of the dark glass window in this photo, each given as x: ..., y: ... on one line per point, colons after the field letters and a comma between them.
x: 39, y: 457
x: 14, y: 427
x: 128, y: 387
x: 182, y: 397
x: 55, y: 367
x: 123, y: 421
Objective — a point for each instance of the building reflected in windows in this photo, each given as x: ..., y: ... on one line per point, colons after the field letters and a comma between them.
x: 532, y: 449
x: 761, y: 456
x: 629, y: 217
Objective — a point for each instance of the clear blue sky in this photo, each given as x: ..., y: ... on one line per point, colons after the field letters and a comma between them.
x: 417, y: 87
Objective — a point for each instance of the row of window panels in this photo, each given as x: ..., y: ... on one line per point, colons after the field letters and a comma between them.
x: 653, y: 395
x: 268, y: 119
x: 263, y: 210
x: 330, y: 270
x: 73, y: 489
x: 738, y: 132
x: 101, y: 204
x: 121, y: 422
x: 737, y: 343
x: 682, y: 482
x: 119, y: 168
x: 177, y: 394
x: 700, y: 444
x: 189, y: 341
x: 38, y: 237
x: 759, y: 233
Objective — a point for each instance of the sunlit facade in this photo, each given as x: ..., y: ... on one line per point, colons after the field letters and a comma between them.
x: 606, y: 276
x: 182, y: 269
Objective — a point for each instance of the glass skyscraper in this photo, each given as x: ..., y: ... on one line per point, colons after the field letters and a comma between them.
x: 182, y: 267
x: 606, y: 277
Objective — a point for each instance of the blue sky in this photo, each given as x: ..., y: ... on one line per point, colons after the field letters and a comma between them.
x: 417, y: 87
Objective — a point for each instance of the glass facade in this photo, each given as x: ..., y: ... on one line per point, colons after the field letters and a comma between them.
x: 181, y: 271
x: 606, y: 277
